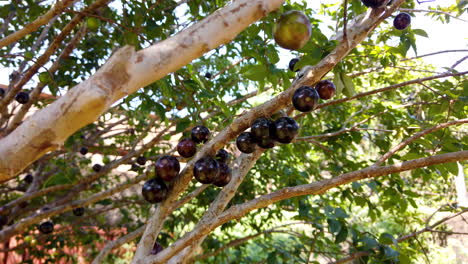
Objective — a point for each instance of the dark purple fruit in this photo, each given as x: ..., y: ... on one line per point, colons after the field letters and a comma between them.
x: 83, y: 150
x: 154, y: 191
x: 187, y: 148
x: 46, y: 227
x: 208, y: 75
x: 266, y: 143
x: 200, y: 134
x: 156, y: 248
x: 292, y: 63
x: 2, y: 92
x: 373, y: 3
x: 224, y: 176
x: 222, y: 156
x: 28, y: 179
x: 262, y: 128
x: 135, y: 167
x: 97, y: 167
x: 245, y: 142
x: 141, y: 160
x: 22, y: 187
x: 22, y: 97
x: 3, y: 220
x: 292, y: 30
x: 326, y: 89
x: 286, y: 129
x: 206, y: 170
x: 305, y: 99
x: 79, y: 211
x: 402, y: 21
x: 167, y: 167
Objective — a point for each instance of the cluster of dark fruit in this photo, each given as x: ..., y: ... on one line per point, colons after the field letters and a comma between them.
x: 305, y: 99
x: 401, y: 21
x: 21, y: 97
x: 47, y: 227
x: 207, y: 170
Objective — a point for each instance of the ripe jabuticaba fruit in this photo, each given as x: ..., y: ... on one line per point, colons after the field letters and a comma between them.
x: 208, y: 75
x: 28, y: 179
x: 46, y: 227
x: 305, y: 99
x: 154, y: 190
x: 187, y: 148
x: 97, y: 167
x: 200, y: 134
x: 292, y: 63
x: 286, y: 129
x: 2, y: 92
x: 135, y: 167
x: 224, y: 176
x: 326, y: 89
x: 3, y: 220
x: 266, y: 143
x: 245, y: 142
x: 83, y: 150
x: 156, y: 248
x: 141, y: 160
x: 167, y: 167
x: 402, y: 21
x: 79, y: 211
x: 292, y: 30
x: 222, y: 156
x: 373, y: 3
x: 206, y: 170
x: 22, y: 97
x: 262, y: 128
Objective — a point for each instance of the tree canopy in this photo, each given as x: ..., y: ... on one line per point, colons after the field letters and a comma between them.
x: 100, y: 90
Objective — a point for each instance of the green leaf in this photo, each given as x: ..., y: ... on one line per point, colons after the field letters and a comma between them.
x: 160, y: 110
x: 334, y: 226
x: 256, y: 72
x: 349, y: 90
x: 404, y: 259
x: 338, y: 83
x: 420, y: 32
x: 342, y: 235
x: 387, y: 239
x: 182, y: 125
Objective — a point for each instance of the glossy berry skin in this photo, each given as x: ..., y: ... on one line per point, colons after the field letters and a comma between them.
x: 245, y: 142
x: 135, y: 167
x: 326, y: 89
x: 222, y: 156
x: 373, y: 3
x: 187, y: 148
x: 3, y: 220
x: 305, y: 99
x: 292, y: 30
x: 286, y: 130
x: 262, y: 128
x: 28, y: 179
x: 156, y: 248
x: 266, y: 143
x: 167, y: 167
x: 206, y: 170
x: 208, y: 75
x: 141, y: 160
x: 224, y: 176
x: 200, y: 134
x: 83, y: 150
x: 97, y: 167
x: 292, y: 63
x: 154, y: 191
x: 402, y: 21
x: 22, y: 97
x: 46, y: 227
x: 79, y: 211
x: 2, y: 92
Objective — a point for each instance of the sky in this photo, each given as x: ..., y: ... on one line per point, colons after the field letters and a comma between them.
x: 441, y: 37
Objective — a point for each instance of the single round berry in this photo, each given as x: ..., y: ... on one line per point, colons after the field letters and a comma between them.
x: 167, y: 167
x: 83, y: 150
x: 262, y: 128
x: 154, y: 190
x: 292, y: 30
x: 286, y: 129
x: 28, y: 179
x: 305, y: 99
x: 3, y: 220
x: 141, y: 160
x: 373, y: 3
x: 206, y: 170
x: 222, y: 156
x: 156, y: 248
x: 208, y: 75
x: 200, y: 134
x: 266, y: 143
x: 135, y: 167
x: 79, y: 211
x: 292, y: 63
x: 22, y: 187
x: 245, y: 142
x: 22, y: 97
x: 187, y: 148
x: 224, y: 176
x: 46, y: 227
x: 97, y: 167
x: 326, y: 89
x: 402, y: 21
x: 2, y: 92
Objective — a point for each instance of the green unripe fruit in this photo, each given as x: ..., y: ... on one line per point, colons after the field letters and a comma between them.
x: 44, y: 77
x: 292, y: 30
x: 93, y: 23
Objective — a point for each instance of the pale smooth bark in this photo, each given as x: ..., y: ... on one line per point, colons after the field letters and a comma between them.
x: 124, y: 73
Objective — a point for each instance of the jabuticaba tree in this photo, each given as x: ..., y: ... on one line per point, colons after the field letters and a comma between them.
x: 183, y: 132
